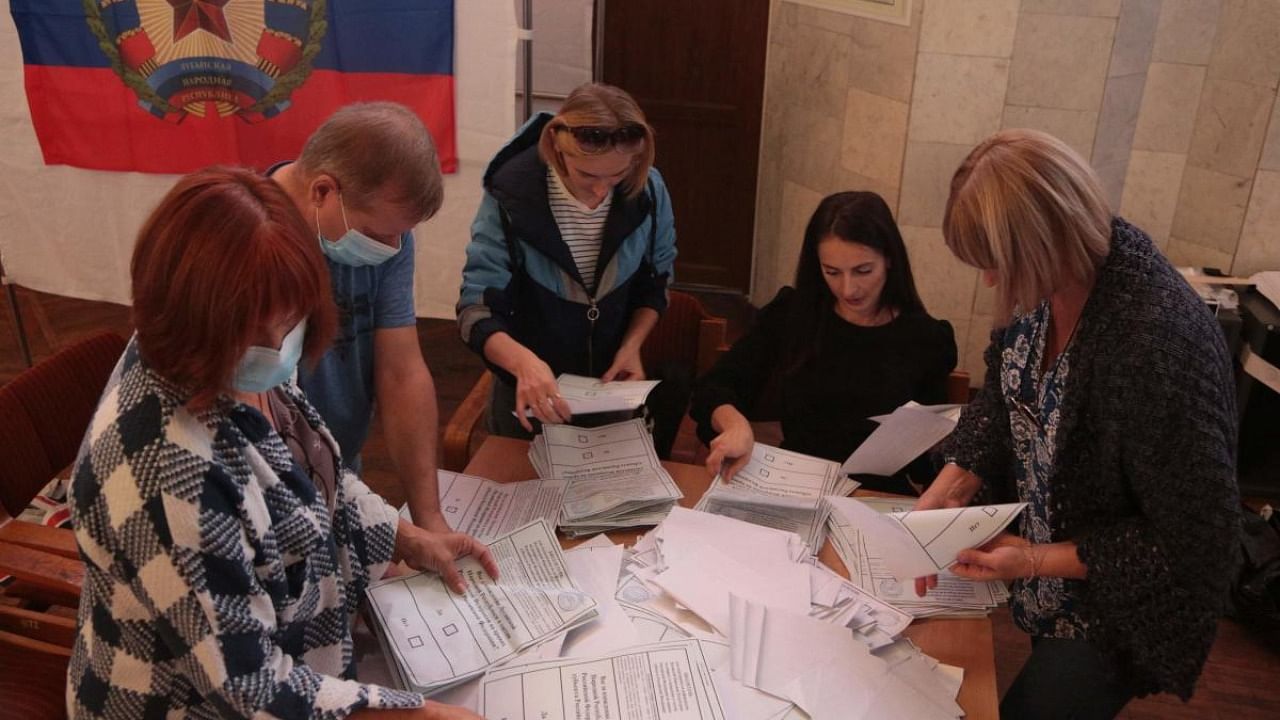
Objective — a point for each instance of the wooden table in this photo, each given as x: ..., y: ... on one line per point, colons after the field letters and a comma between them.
x: 966, y: 643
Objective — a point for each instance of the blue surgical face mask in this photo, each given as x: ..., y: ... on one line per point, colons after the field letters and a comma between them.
x: 354, y: 248
x: 263, y: 368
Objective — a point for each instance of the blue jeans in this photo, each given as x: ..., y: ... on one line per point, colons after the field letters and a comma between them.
x: 1065, y: 680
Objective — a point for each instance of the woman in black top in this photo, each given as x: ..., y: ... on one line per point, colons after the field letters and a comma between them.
x: 850, y: 341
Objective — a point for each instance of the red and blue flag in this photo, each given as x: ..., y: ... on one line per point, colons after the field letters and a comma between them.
x: 170, y: 86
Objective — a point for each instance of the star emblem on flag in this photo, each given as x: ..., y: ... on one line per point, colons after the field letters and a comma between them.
x: 192, y: 15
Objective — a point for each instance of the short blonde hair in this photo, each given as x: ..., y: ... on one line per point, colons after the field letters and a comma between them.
x: 1025, y: 205
x: 377, y: 149
x: 604, y: 106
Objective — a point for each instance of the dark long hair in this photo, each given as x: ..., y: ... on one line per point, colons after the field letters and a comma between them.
x: 858, y: 217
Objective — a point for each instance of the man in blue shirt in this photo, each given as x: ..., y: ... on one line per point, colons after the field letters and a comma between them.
x: 364, y: 179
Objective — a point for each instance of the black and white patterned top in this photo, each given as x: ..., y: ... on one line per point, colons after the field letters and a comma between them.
x: 216, y: 582
x: 581, y: 227
x: 1041, y: 606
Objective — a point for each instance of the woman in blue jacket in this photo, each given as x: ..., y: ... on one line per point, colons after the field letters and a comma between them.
x: 570, y: 256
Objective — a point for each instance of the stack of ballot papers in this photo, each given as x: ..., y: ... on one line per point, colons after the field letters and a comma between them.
x: 485, y: 509
x: 826, y: 672
x: 780, y: 489
x: 435, y: 639
x: 615, y: 479
x: 903, y: 436
x: 885, y: 545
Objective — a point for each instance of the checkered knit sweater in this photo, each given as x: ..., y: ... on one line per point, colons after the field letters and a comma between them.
x: 1144, y: 477
x: 216, y: 583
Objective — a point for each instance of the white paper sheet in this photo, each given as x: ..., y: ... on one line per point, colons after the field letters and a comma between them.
x: 901, y: 438
x: 664, y: 681
x: 438, y: 638
x: 704, y: 581
x: 595, y: 569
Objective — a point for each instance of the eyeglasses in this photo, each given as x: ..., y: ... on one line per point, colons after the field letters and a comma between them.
x: 594, y: 140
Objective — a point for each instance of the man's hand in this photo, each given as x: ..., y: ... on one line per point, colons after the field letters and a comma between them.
x: 425, y: 550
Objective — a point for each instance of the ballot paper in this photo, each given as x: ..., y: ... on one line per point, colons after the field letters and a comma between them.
x: 902, y: 437
x: 614, y: 476
x: 590, y: 395
x: 663, y: 681
x: 436, y: 638
x: 485, y: 509
x: 916, y: 543
x: 780, y: 489
x: 953, y: 596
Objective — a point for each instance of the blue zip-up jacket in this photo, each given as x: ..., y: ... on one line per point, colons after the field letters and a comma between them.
x: 520, y: 277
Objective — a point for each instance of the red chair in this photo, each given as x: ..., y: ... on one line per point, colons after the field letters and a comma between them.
x: 44, y: 414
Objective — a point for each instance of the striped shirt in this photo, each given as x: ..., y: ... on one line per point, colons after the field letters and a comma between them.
x: 581, y: 227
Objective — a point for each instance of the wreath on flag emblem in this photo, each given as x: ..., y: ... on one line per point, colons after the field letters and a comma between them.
x: 241, y: 58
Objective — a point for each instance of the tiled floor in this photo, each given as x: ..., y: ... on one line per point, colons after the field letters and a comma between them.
x: 1240, y: 682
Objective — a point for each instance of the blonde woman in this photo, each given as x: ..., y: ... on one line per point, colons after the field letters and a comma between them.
x: 1107, y: 408
x: 570, y: 255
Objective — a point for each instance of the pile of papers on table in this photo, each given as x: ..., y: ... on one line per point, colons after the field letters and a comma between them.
x: 726, y: 619
x: 614, y: 477
x: 885, y: 546
x: 780, y: 489
x: 485, y: 509
x: 434, y: 638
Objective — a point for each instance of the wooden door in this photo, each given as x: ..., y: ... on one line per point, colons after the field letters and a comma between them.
x: 697, y: 69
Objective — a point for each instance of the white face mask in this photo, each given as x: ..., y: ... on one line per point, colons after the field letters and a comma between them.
x: 354, y: 248
x: 263, y: 368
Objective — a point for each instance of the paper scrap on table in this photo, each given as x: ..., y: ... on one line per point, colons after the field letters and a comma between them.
x: 902, y: 437
x: 916, y: 543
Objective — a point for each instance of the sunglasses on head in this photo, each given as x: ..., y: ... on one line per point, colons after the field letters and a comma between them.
x: 593, y: 140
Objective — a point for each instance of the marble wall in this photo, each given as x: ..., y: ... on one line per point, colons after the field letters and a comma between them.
x: 1172, y: 101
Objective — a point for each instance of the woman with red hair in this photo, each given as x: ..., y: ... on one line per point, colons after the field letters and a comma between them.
x: 225, y: 549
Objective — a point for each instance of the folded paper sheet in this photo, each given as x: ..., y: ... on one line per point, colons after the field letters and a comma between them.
x: 916, y: 543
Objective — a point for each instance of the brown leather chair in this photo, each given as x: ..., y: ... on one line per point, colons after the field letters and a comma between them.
x: 686, y: 334
x: 44, y: 414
